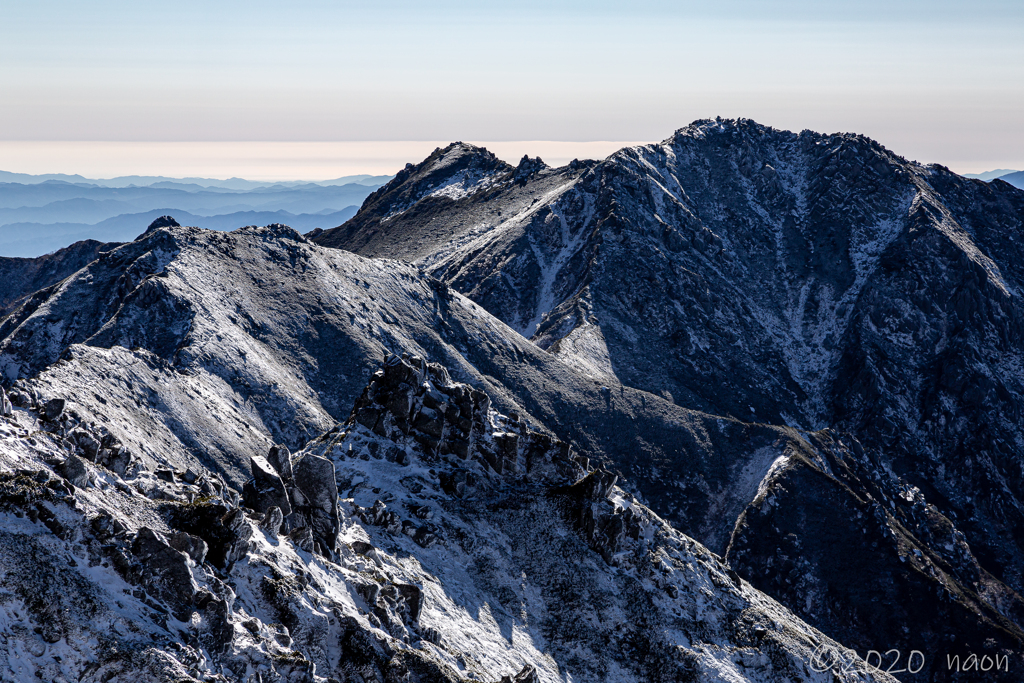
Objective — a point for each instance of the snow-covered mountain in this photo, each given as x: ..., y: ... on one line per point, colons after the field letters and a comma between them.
x: 400, y: 545
x: 155, y: 386
x: 768, y: 410
x: 817, y: 281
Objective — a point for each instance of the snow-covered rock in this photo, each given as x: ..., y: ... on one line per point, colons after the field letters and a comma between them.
x: 533, y: 570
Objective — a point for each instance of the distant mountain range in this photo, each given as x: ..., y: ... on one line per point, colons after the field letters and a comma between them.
x: 40, y: 214
x: 32, y: 239
x: 157, y: 180
x: 1015, y: 178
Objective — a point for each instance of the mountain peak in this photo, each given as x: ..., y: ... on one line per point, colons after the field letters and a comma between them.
x: 162, y: 222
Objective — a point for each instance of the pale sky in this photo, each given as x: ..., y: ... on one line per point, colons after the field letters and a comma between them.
x: 936, y: 81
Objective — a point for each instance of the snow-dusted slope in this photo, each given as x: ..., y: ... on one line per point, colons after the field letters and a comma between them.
x: 505, y: 556
x: 197, y: 348
x: 790, y: 278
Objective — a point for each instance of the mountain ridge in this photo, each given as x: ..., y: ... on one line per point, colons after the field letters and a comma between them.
x: 799, y: 350
x: 778, y: 276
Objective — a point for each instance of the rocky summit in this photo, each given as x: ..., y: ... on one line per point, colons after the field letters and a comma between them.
x: 740, y: 406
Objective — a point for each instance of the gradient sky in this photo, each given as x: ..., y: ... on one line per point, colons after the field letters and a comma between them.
x: 936, y: 81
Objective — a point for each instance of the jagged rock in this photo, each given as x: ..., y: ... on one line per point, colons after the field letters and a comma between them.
x: 379, y: 515
x: 587, y: 505
x: 116, y: 458
x: 595, y: 486
x: 21, y: 399
x: 166, y: 573
x: 53, y: 409
x: 216, y: 631
x: 237, y: 525
x: 105, y: 525
x: 317, y: 502
x: 266, y: 489
x: 272, y: 520
x: 413, y: 596
x: 302, y: 537
x: 6, y: 409
x: 281, y: 459
x: 76, y: 471
x: 226, y: 532
x: 193, y: 546
x: 528, y: 674
x: 89, y: 444
x: 165, y: 474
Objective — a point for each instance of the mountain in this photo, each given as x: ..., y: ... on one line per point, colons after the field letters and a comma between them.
x: 1016, y: 179
x: 23, y: 276
x: 817, y: 281
x: 54, y: 201
x: 990, y: 175
x: 42, y: 217
x: 766, y: 420
x: 158, y: 181
x: 145, y: 534
x: 31, y: 239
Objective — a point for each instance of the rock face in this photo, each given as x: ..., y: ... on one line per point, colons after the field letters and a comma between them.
x: 492, y: 581
x: 266, y: 489
x: 316, y: 502
x: 795, y: 279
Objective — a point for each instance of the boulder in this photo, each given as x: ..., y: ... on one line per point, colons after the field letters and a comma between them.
x: 281, y: 460
x: 21, y: 399
x: 315, y: 482
x: 272, y: 521
x: 266, y: 489
x: 87, y: 443
x: 116, y: 459
x: 413, y: 599
x: 193, y: 546
x: 75, y: 470
x: 53, y: 409
x: 165, y: 572
x: 241, y: 533
x: 6, y: 409
x: 302, y: 537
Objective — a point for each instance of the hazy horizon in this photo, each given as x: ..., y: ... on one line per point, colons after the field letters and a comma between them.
x: 287, y: 161
x: 932, y: 81
x: 264, y: 160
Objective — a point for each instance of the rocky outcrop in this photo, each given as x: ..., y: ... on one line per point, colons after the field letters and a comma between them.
x: 299, y: 500
x: 266, y: 489
x: 316, y: 502
x: 166, y: 574
x: 537, y: 503
x: 410, y: 398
